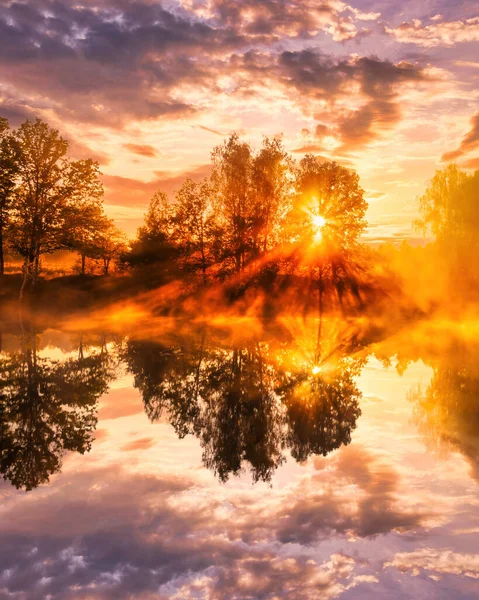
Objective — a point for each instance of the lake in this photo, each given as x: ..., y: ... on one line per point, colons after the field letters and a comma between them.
x: 299, y: 458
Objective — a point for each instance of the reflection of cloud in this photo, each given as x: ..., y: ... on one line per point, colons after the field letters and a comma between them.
x: 120, y: 403
x: 128, y: 535
x: 376, y: 507
x: 444, y: 562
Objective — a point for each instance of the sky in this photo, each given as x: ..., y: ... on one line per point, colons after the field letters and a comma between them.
x: 149, y: 88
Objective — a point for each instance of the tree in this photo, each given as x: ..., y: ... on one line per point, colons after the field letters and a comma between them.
x: 253, y: 197
x: 87, y: 222
x: 272, y: 188
x: 153, y: 245
x: 8, y: 172
x: 109, y: 245
x: 231, y: 177
x: 49, y: 188
x: 443, y: 205
x: 247, y: 404
x: 327, y: 220
x: 450, y: 211
x: 446, y: 411
x: 194, y: 225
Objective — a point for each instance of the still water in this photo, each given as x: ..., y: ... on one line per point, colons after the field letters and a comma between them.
x: 305, y: 459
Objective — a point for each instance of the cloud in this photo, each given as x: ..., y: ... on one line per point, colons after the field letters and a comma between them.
x: 110, y: 61
x: 139, y: 444
x: 142, y: 150
x: 469, y: 142
x: 376, y: 83
x: 120, y: 403
x: 107, y: 62
x: 438, y: 33
x: 133, y: 535
x: 127, y: 191
x: 473, y: 163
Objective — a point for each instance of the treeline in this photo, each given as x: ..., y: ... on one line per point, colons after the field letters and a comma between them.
x: 259, y: 218
x: 258, y: 215
x: 49, y: 202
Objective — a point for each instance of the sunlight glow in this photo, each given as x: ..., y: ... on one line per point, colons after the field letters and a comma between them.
x: 319, y: 223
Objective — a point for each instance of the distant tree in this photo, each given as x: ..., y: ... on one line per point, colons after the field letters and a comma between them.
x: 88, y: 224
x: 109, y: 245
x: 8, y: 172
x: 154, y: 245
x: 450, y: 211
x: 443, y: 206
x: 49, y: 185
x: 194, y: 225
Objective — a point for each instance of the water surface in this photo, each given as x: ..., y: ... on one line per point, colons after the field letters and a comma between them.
x: 295, y: 460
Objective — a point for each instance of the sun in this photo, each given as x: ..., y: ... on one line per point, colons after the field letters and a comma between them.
x: 318, y: 221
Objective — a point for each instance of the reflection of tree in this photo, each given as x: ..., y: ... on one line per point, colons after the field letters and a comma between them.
x: 246, y: 404
x: 322, y: 410
x: 46, y: 408
x: 242, y: 418
x: 167, y: 379
x: 447, y: 411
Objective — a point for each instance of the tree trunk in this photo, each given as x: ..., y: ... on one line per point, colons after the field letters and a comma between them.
x: 25, y: 270
x: 83, y: 260
x: 2, y: 259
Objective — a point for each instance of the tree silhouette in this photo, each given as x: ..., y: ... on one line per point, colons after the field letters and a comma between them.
x: 89, y: 229
x: 253, y: 196
x: 46, y: 408
x: 322, y: 409
x: 327, y: 220
x: 154, y: 249
x: 231, y: 177
x: 8, y: 172
x: 109, y: 244
x: 194, y: 226
x: 272, y: 187
x: 50, y: 187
